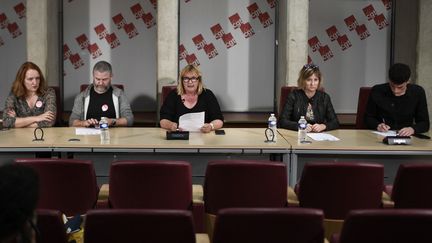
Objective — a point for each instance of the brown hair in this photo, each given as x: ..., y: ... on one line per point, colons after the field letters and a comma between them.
x: 18, y: 88
x: 190, y: 69
x: 307, y: 71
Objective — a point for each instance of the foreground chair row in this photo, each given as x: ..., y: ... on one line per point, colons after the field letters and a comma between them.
x: 253, y: 225
x: 336, y: 188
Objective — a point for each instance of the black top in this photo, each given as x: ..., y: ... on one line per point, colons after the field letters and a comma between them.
x: 101, y: 105
x: 173, y: 107
x: 408, y: 110
x: 296, y: 106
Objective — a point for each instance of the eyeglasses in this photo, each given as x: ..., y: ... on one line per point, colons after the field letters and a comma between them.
x: 192, y: 79
x: 310, y: 66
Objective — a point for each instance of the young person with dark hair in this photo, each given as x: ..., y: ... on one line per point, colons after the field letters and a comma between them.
x: 398, y: 104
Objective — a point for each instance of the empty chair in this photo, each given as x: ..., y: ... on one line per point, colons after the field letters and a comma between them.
x: 150, y: 184
x: 260, y: 225
x: 166, y: 90
x: 241, y: 183
x: 361, y: 106
x: 67, y: 185
x: 153, y: 185
x: 84, y: 86
x: 386, y: 226
x: 337, y: 188
x: 411, y: 187
x: 139, y: 225
x: 51, y: 227
x: 285, y: 90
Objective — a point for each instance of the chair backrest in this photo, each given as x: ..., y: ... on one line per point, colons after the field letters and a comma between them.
x: 84, y: 86
x: 150, y: 185
x: 59, y: 118
x: 138, y: 225
x: 241, y: 183
x: 51, y: 227
x: 411, y: 188
x: 361, y: 106
x: 387, y: 226
x: 276, y: 225
x: 166, y: 90
x: 285, y: 90
x: 68, y: 185
x: 337, y: 188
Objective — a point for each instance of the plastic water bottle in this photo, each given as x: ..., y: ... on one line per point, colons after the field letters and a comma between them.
x: 104, y: 130
x: 302, y: 134
x: 272, y: 124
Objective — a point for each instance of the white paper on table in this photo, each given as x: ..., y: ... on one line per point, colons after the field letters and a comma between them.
x: 322, y: 137
x: 385, y: 134
x: 87, y: 131
x: 192, y: 122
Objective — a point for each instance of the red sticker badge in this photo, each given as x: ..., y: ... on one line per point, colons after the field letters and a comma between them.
x: 39, y: 104
x: 105, y: 107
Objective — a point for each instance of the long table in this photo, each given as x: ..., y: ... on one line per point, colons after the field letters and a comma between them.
x: 355, y: 146
x: 148, y: 143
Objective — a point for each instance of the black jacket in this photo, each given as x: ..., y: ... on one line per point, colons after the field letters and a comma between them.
x: 296, y: 106
x: 408, y: 110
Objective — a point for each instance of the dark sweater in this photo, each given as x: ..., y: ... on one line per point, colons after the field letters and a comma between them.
x: 173, y: 107
x: 408, y: 110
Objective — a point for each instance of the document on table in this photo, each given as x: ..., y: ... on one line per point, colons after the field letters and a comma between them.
x: 192, y: 122
x: 386, y: 134
x: 322, y: 137
x: 87, y: 131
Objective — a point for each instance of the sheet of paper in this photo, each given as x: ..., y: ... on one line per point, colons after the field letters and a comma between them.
x: 322, y: 137
x: 192, y: 122
x: 87, y: 131
x: 385, y: 134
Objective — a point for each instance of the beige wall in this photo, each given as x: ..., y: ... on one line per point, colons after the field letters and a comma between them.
x: 42, y: 37
x: 292, y: 46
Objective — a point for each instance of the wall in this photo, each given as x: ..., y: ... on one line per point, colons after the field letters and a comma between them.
x: 120, y: 32
x: 13, y: 51
x: 233, y: 43
x: 350, y: 41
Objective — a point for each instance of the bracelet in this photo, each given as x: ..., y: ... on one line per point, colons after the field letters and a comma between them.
x: 212, y: 126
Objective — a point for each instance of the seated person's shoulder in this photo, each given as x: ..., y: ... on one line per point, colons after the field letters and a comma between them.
x: 415, y: 87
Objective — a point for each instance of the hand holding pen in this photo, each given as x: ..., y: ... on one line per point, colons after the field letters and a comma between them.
x: 383, y: 127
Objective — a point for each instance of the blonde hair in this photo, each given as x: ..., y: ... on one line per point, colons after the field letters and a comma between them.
x: 307, y: 71
x: 190, y: 69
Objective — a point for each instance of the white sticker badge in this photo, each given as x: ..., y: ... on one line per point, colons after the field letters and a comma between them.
x: 105, y: 107
x: 38, y: 104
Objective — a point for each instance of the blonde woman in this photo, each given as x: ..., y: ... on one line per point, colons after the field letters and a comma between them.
x: 191, y: 96
x: 310, y: 102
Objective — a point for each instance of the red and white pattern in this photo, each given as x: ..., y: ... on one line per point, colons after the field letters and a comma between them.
x: 14, y: 30
x: 102, y: 33
x: 139, y: 13
x: 20, y: 10
x: 4, y: 22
